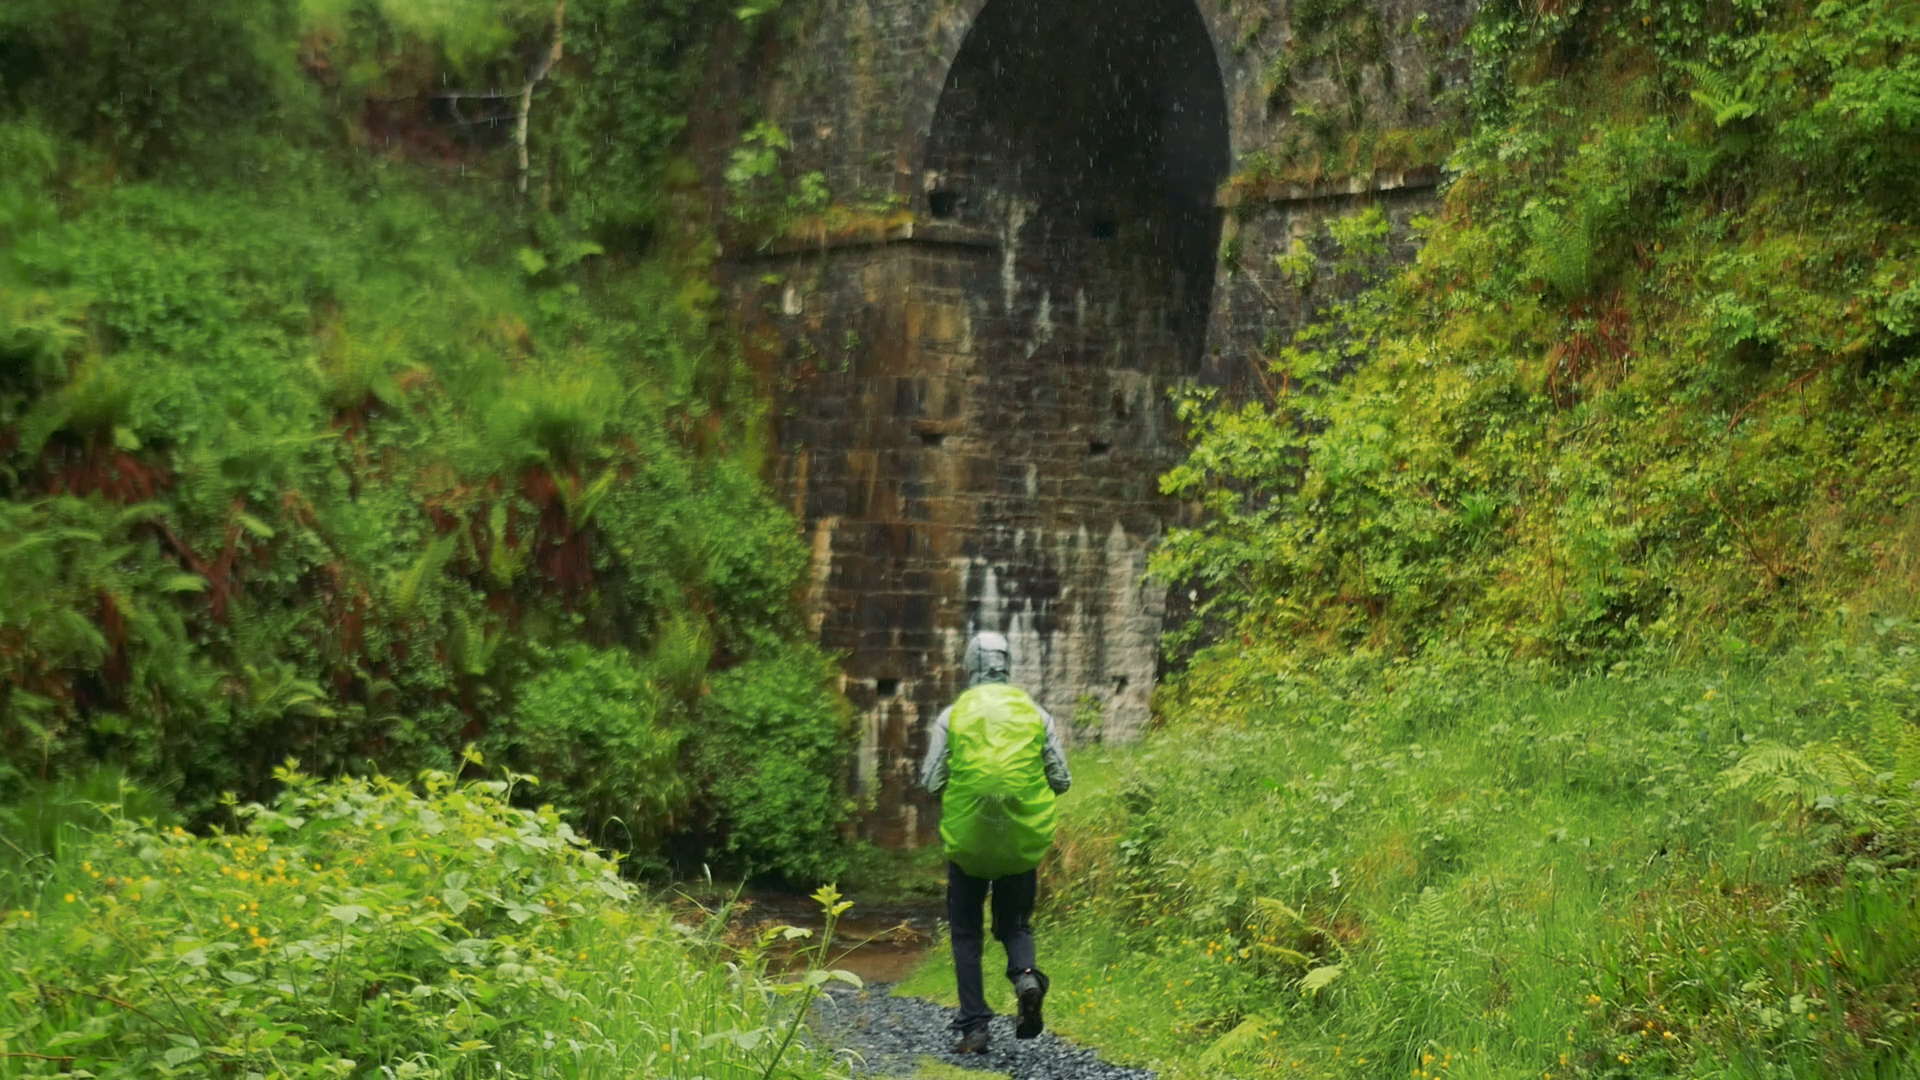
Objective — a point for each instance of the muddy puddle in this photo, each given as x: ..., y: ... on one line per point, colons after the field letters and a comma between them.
x: 881, y: 942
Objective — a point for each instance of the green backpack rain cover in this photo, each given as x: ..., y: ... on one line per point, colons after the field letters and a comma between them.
x: 997, y: 815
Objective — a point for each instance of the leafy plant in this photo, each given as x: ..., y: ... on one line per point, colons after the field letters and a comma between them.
x: 772, y: 746
x: 596, y: 726
x: 361, y: 928
x: 761, y: 197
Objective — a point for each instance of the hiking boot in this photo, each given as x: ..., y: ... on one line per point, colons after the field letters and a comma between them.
x: 1031, y: 989
x: 972, y: 1041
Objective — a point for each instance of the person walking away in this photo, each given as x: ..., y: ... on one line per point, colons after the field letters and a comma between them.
x: 995, y: 759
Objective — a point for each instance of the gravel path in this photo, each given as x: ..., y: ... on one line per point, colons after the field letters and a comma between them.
x: 891, y: 1035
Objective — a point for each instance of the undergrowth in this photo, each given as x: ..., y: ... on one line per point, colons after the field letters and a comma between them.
x: 365, y: 929
x: 345, y: 418
x: 1461, y: 867
x: 1650, y: 381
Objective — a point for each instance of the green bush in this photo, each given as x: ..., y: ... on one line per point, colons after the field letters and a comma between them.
x: 360, y: 929
x: 149, y: 82
x: 773, y: 744
x: 595, y: 725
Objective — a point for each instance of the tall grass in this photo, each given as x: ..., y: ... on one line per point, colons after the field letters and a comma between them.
x: 1464, y: 868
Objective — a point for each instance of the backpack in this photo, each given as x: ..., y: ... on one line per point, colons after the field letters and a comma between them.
x: 997, y: 815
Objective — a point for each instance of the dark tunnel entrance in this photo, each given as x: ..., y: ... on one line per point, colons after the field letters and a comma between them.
x: 1096, y: 132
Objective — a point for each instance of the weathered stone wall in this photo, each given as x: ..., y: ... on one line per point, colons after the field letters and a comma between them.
x: 973, y: 407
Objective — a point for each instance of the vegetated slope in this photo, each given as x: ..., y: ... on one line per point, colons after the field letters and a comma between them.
x: 1651, y: 382
x: 1558, y: 716
x: 346, y: 418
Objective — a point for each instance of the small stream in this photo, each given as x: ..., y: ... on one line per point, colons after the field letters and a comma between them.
x: 881, y: 943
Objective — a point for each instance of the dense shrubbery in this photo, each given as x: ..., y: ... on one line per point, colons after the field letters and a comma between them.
x: 360, y: 929
x: 323, y: 442
x: 152, y: 84
x: 775, y: 747
x: 1651, y: 381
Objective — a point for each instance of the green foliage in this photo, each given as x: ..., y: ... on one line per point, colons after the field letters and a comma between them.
x: 219, y: 87
x: 761, y: 197
x: 1461, y: 866
x: 321, y: 442
x: 149, y: 82
x: 55, y: 815
x: 461, y: 38
x: 774, y: 746
x: 360, y: 929
x: 629, y: 68
x: 1255, y: 542
x: 331, y: 456
x: 597, y: 728
x: 1647, y: 381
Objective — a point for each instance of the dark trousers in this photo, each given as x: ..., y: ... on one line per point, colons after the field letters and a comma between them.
x: 1012, y: 925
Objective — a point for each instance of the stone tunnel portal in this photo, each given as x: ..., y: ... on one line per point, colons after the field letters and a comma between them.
x: 1088, y: 138
x: 1097, y: 131
x: 976, y: 418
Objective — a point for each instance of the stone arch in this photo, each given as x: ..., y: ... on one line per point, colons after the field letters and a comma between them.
x: 978, y: 404
x: 1099, y: 133
x: 1066, y: 179
x: 954, y: 24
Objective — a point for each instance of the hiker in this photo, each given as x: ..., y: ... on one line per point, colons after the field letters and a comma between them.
x: 995, y: 759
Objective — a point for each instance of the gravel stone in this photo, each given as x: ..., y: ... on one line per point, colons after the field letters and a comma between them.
x: 884, y: 1035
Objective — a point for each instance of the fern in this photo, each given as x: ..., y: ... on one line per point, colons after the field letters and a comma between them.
x: 1250, y: 1035
x: 407, y: 587
x: 1320, y: 978
x: 1721, y: 96
x: 1796, y: 778
x: 1427, y: 931
x: 1567, y: 247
